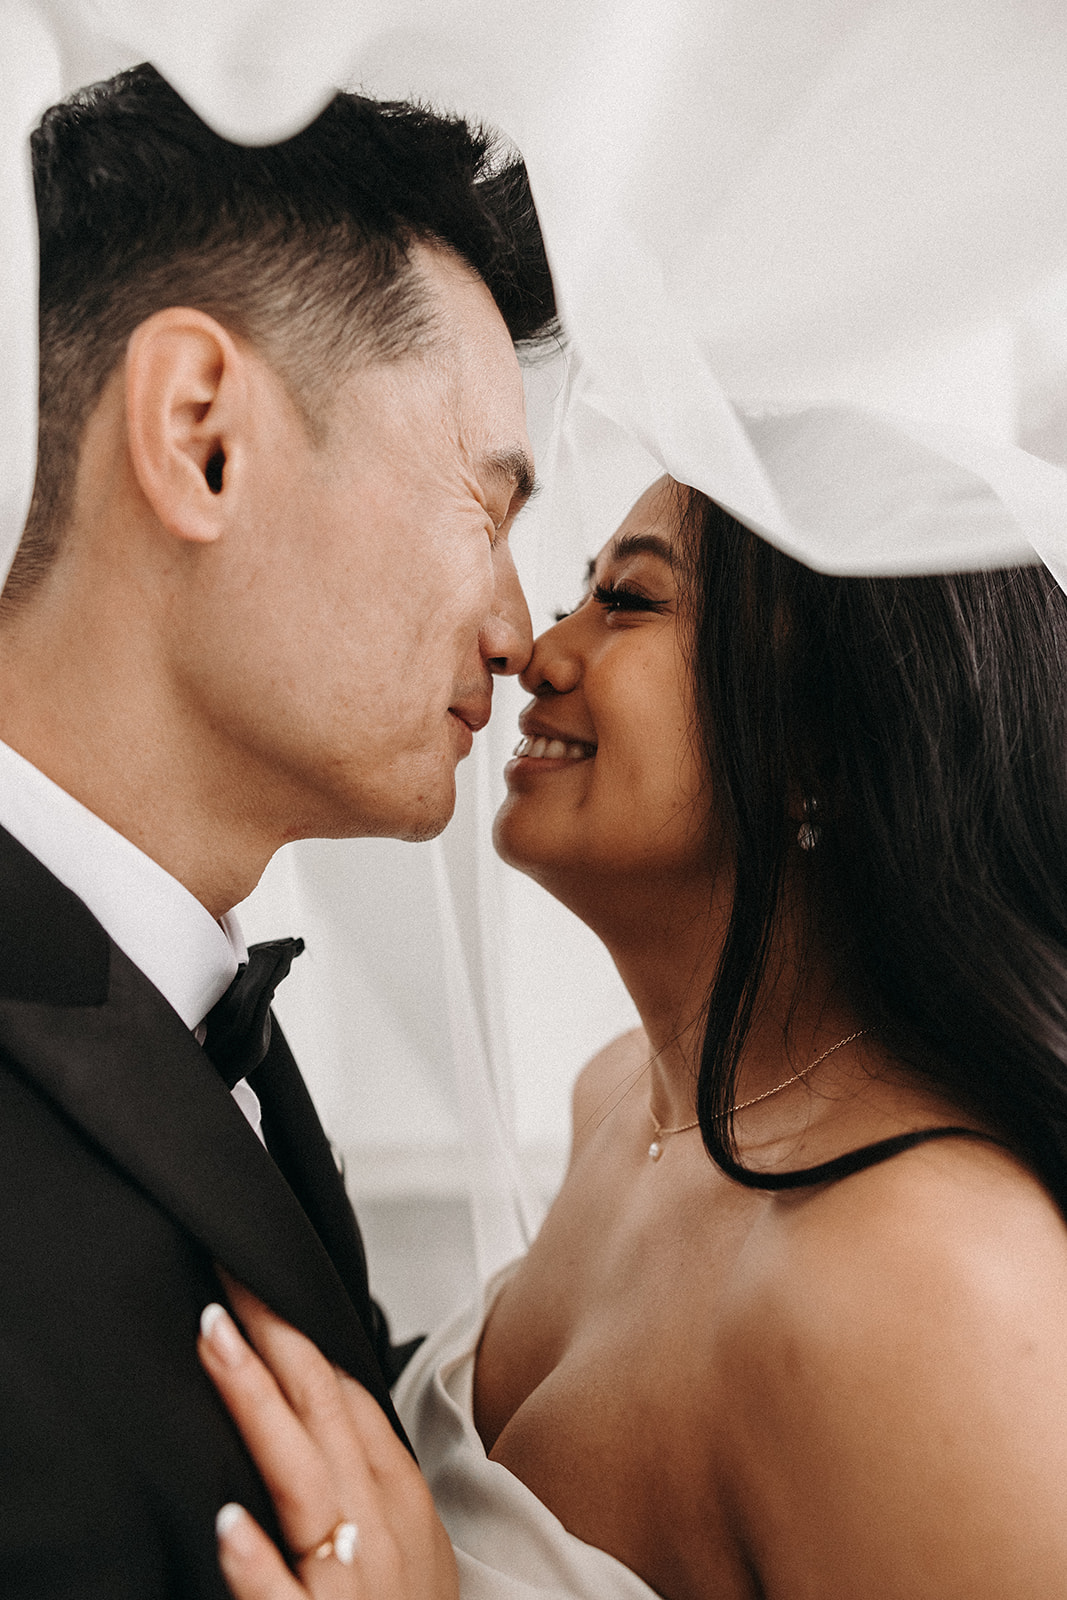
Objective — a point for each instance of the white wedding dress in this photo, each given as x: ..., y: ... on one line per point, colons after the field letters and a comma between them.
x: 508, y: 1545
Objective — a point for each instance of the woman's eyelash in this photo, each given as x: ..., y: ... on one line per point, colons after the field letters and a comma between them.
x: 617, y: 597
x: 614, y: 597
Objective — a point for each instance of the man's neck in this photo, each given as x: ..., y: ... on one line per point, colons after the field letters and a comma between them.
x: 163, y: 929
x: 105, y: 729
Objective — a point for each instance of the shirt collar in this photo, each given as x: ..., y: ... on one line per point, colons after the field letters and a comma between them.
x: 189, y: 957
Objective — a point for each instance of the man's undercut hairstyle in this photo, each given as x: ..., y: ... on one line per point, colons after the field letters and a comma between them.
x: 303, y: 247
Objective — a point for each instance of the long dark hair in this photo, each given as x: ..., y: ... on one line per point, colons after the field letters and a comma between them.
x: 926, y: 718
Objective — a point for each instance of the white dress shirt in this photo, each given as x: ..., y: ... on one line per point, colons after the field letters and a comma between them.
x: 175, y: 941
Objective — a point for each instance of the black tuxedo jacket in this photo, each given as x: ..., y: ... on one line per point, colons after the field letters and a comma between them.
x: 126, y: 1172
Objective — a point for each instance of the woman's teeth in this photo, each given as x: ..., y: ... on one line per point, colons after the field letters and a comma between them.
x: 554, y: 750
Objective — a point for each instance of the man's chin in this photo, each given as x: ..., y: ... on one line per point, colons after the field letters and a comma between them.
x: 408, y: 830
x: 410, y: 827
x: 423, y: 818
x: 422, y: 832
x: 413, y: 811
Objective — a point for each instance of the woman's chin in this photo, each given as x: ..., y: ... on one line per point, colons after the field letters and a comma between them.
x: 528, y: 841
x: 510, y: 838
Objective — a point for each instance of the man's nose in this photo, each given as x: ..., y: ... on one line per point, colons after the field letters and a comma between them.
x: 507, y: 634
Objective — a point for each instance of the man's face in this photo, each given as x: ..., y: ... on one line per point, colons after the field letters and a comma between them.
x: 349, y: 627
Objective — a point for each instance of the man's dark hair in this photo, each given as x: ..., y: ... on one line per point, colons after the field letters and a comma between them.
x: 302, y: 247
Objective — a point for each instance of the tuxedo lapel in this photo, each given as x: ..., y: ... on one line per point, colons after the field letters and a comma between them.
x: 296, y: 1140
x: 51, y: 946
x: 118, y: 1061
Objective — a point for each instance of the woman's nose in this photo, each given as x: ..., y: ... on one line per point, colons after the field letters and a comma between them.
x: 555, y: 665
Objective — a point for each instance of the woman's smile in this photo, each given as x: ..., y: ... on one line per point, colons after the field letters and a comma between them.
x: 553, y: 746
x: 540, y: 754
x: 543, y: 749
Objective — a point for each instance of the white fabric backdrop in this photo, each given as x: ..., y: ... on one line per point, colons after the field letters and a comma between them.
x: 811, y: 258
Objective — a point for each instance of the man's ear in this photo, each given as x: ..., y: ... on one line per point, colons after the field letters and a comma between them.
x: 186, y: 407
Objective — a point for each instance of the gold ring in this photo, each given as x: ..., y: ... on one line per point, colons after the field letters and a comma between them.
x: 341, y: 1542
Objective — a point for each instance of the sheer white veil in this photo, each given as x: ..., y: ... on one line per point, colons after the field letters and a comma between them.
x: 811, y: 259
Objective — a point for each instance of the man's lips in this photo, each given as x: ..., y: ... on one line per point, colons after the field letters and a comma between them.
x: 474, y: 713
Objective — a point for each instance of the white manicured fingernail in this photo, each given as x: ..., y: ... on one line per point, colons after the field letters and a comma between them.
x: 218, y: 1329
x: 208, y: 1318
x: 233, y: 1526
x: 228, y: 1518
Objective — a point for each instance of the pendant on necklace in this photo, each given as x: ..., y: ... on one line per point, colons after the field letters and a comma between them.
x: 655, y: 1150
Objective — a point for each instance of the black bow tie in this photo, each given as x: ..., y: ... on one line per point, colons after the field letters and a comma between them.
x: 238, y: 1025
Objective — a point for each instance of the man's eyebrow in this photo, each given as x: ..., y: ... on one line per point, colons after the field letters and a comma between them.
x: 511, y: 466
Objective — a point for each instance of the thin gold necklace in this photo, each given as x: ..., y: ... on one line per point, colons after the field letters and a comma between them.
x: 655, y: 1149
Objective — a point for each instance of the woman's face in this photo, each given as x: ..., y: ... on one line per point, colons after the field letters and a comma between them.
x: 607, y: 785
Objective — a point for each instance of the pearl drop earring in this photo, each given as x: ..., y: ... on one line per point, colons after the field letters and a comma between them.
x: 808, y: 832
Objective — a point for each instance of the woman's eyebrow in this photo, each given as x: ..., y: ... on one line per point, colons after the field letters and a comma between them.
x: 635, y: 544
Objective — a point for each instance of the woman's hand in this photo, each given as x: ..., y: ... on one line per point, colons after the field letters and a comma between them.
x: 332, y: 1463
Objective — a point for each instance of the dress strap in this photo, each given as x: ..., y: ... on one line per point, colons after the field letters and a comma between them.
x: 868, y: 1155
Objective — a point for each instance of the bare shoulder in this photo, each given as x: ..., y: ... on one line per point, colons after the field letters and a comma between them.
x: 898, y: 1341
x: 603, y: 1080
